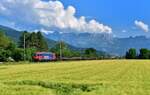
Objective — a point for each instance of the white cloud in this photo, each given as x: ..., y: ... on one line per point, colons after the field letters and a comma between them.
x: 48, y: 15
x: 142, y: 25
x: 44, y: 31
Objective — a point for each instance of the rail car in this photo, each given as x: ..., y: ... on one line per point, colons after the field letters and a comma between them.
x: 44, y: 56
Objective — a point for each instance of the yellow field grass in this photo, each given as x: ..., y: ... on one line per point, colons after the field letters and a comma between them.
x: 100, y: 77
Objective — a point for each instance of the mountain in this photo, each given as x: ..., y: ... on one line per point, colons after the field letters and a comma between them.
x: 123, y: 44
x: 79, y: 41
x: 14, y: 34
x: 102, y: 42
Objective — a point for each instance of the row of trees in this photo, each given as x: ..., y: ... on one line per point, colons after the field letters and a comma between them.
x: 11, y: 51
x: 36, y: 42
x: 69, y: 53
x: 133, y: 54
x: 31, y: 42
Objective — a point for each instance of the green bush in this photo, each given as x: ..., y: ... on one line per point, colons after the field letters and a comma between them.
x: 4, y: 54
x: 18, y: 54
x: 131, y: 54
x: 29, y: 53
x: 144, y: 53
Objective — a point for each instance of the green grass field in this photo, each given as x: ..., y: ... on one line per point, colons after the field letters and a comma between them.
x: 106, y: 77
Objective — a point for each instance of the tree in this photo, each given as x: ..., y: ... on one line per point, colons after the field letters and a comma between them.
x: 42, y: 44
x: 4, y: 40
x: 131, y: 54
x: 90, y: 52
x: 6, y: 47
x: 33, y: 40
x: 11, y: 46
x: 149, y: 54
x: 18, y: 54
x: 29, y: 53
x: 144, y: 53
x: 4, y: 54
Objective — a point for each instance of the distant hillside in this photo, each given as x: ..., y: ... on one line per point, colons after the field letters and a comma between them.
x: 14, y: 34
x: 102, y: 42
x: 74, y: 41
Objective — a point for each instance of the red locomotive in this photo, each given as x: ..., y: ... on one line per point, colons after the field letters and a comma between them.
x: 44, y: 56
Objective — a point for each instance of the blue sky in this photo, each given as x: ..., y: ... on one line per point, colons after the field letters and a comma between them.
x: 120, y: 15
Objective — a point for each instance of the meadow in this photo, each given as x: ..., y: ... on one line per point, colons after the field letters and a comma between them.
x: 99, y: 77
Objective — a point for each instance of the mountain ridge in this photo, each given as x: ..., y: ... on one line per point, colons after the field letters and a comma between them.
x: 101, y: 42
x: 14, y: 35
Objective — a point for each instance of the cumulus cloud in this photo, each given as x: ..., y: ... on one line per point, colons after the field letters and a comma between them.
x: 142, y: 25
x: 48, y: 15
x: 44, y: 31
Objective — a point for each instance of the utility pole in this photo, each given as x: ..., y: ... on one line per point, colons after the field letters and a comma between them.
x: 24, y: 46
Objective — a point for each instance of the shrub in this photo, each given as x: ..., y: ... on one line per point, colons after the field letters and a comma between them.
x: 18, y: 54
x: 4, y: 54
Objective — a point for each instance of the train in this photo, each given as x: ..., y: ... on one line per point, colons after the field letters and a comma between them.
x: 49, y: 56
x: 44, y: 56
